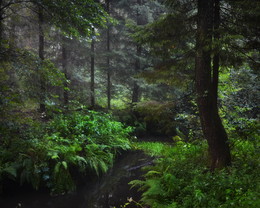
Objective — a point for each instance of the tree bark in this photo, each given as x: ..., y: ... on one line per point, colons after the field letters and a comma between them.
x: 2, y: 28
x: 136, y: 87
x: 108, y: 61
x: 1, y: 23
x: 92, y: 73
x: 207, y: 84
x: 41, y: 56
x: 65, y: 71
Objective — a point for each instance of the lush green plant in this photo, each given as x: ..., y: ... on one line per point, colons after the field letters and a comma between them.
x: 130, y: 202
x: 159, y: 117
x: 49, y: 154
x: 129, y: 117
x: 239, y: 102
x: 179, y: 177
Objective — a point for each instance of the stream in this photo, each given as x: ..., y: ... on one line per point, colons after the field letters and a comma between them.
x: 109, y: 191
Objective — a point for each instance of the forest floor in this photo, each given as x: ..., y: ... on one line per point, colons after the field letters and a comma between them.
x: 110, y: 190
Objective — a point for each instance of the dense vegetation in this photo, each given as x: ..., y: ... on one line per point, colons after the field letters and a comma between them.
x: 179, y: 177
x: 47, y: 154
x: 80, y: 80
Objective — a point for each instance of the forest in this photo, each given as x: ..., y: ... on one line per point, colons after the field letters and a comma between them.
x: 129, y: 103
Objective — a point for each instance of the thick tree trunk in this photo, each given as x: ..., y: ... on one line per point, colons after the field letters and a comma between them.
x: 65, y: 71
x: 222, y: 146
x: 92, y: 74
x: 108, y: 61
x: 206, y: 86
x: 41, y: 55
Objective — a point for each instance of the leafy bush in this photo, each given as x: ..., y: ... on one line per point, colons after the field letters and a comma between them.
x: 179, y: 178
x: 48, y: 155
x: 159, y: 117
x: 131, y: 118
x: 239, y: 99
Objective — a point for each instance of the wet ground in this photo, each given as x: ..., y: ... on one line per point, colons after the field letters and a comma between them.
x: 109, y: 191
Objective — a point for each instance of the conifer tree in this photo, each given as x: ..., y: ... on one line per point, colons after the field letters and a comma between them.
x: 207, y: 84
x: 217, y: 43
x: 92, y: 72
x: 65, y: 71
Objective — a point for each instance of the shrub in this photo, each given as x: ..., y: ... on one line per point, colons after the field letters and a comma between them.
x: 179, y: 178
x: 47, y: 155
x: 159, y: 117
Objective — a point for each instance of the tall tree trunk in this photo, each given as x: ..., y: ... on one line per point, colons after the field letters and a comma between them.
x: 92, y: 73
x: 207, y: 85
x: 65, y: 71
x: 108, y: 61
x: 136, y: 87
x: 1, y: 25
x: 222, y: 146
x: 41, y: 55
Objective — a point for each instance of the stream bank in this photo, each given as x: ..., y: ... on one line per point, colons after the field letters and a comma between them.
x: 110, y: 190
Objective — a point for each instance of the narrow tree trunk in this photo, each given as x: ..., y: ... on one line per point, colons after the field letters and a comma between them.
x: 1, y: 24
x: 136, y: 87
x: 1, y: 33
x: 41, y: 55
x: 206, y: 86
x: 92, y: 74
x: 65, y: 71
x: 108, y: 61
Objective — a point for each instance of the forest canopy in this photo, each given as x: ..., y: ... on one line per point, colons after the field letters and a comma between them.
x: 84, y: 81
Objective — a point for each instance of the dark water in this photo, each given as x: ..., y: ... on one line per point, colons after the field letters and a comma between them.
x: 109, y: 191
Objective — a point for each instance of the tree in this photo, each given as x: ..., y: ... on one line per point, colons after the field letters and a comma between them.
x: 127, y: 58
x: 41, y: 56
x: 207, y: 84
x: 108, y: 60
x: 216, y: 44
x: 65, y: 71
x: 92, y: 72
x: 1, y: 20
x: 136, y: 88
x: 81, y: 17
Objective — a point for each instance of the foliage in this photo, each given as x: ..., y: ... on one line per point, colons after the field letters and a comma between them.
x: 48, y: 155
x: 131, y: 201
x: 239, y: 102
x: 171, y: 41
x: 52, y: 153
x: 21, y: 73
x: 82, y: 16
x: 179, y: 177
x: 159, y: 117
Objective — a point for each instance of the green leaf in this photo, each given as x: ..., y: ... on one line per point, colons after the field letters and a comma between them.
x: 65, y: 165
x: 11, y: 170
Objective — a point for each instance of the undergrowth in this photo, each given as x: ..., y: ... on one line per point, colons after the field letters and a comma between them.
x: 48, y: 154
x: 179, y: 177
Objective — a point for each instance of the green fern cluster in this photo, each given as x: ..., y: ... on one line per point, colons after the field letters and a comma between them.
x: 82, y: 142
x: 179, y: 178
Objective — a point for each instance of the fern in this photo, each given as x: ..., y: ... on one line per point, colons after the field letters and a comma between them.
x: 81, y: 162
x: 48, y: 153
x: 9, y: 169
x: 61, y: 179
